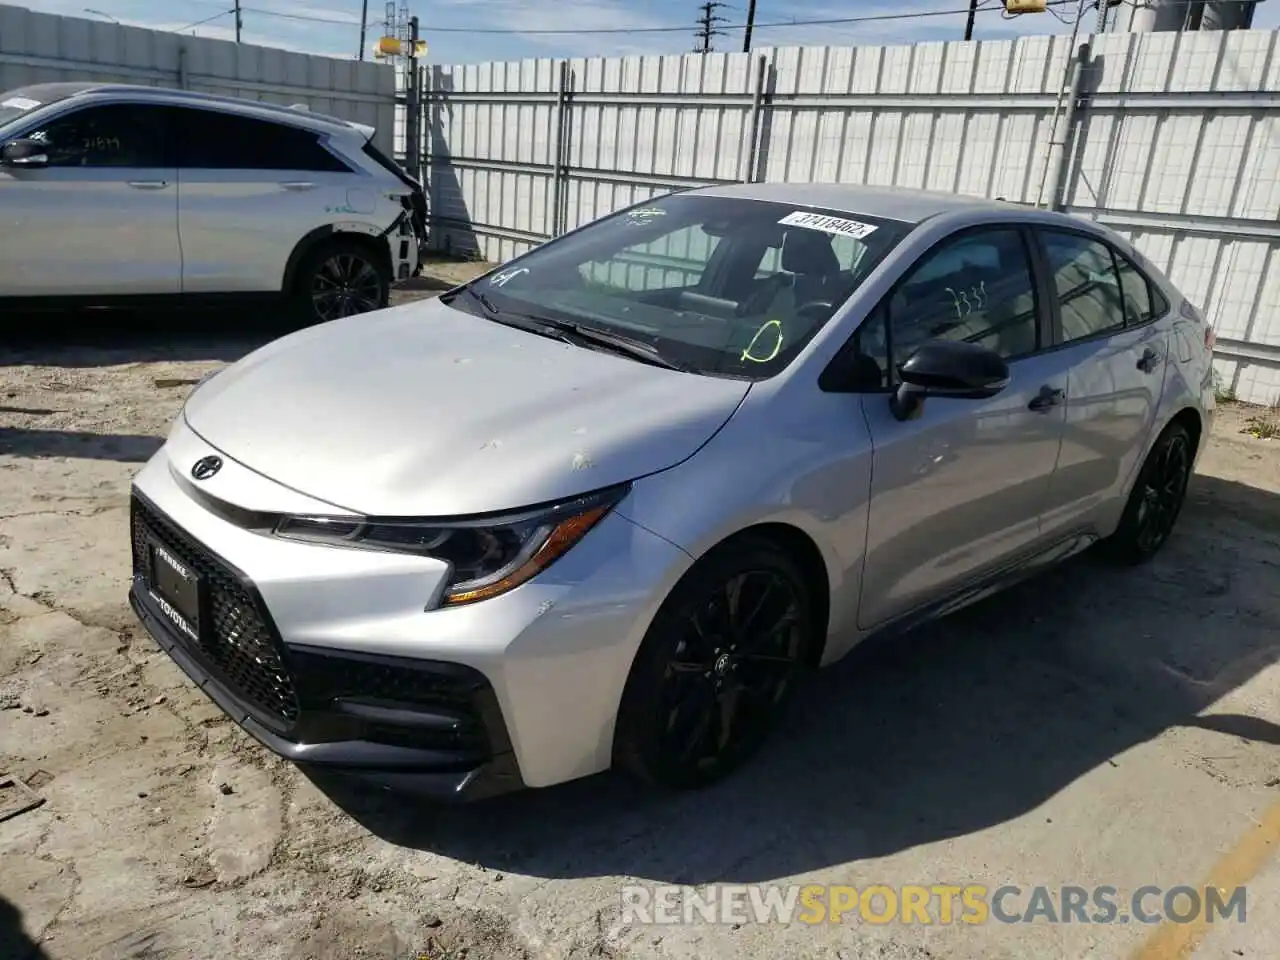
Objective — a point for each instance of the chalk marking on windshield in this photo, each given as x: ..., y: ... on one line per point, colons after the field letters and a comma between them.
x: 833, y: 225
x: 777, y: 346
x: 637, y: 218
x: 502, y: 279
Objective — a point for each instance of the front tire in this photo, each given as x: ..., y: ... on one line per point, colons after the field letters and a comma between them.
x: 1156, y: 499
x: 340, y: 278
x: 717, y: 666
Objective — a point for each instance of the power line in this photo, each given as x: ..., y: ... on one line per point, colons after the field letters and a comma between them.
x: 706, y: 26
x: 601, y: 31
x: 983, y: 7
x: 201, y: 23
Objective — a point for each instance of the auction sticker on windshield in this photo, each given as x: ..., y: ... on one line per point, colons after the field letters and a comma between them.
x: 834, y: 225
x: 20, y: 103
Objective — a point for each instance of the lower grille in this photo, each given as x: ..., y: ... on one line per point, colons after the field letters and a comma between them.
x: 447, y: 690
x: 238, y: 646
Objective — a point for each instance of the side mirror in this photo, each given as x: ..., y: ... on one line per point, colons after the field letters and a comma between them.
x: 947, y: 368
x: 24, y: 153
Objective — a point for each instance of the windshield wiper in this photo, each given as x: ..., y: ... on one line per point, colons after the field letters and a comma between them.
x: 575, y: 333
x: 489, y: 306
x: 618, y: 342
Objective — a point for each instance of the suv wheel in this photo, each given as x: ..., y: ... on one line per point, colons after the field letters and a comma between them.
x: 340, y: 279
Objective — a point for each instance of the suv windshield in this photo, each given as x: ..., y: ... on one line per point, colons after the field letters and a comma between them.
x: 718, y: 285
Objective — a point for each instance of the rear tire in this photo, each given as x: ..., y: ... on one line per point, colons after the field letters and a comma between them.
x: 340, y: 278
x: 717, y: 666
x: 1156, y: 499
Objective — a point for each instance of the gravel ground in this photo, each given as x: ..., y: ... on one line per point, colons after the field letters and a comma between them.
x: 1089, y: 727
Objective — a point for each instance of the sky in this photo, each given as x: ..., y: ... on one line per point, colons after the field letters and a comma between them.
x: 470, y: 31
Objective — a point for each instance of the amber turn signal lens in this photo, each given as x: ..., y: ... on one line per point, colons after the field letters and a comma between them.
x: 558, y: 542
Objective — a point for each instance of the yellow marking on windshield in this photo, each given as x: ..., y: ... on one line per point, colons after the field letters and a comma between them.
x: 777, y: 346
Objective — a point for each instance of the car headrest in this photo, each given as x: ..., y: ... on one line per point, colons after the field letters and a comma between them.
x: 809, y: 252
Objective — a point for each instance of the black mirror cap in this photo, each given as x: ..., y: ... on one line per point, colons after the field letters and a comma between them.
x: 955, y: 367
x: 16, y: 151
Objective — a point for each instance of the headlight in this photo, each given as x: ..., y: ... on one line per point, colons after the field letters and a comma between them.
x: 487, y: 556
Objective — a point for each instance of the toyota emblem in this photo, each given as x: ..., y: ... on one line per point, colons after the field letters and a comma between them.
x: 206, y: 467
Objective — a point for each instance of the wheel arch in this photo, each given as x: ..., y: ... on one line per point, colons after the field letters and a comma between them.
x: 363, y: 234
x: 800, y: 547
x: 1190, y: 418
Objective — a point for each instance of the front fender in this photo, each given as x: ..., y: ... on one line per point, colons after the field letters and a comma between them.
x: 799, y: 477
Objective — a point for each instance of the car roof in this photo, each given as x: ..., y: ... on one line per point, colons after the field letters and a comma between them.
x: 50, y: 92
x: 890, y: 203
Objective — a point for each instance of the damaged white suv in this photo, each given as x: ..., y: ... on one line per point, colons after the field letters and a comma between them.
x: 113, y: 194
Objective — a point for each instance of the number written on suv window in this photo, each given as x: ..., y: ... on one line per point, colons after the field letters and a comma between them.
x: 113, y: 135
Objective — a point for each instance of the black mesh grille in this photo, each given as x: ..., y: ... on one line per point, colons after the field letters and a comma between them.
x: 450, y: 689
x: 237, y: 644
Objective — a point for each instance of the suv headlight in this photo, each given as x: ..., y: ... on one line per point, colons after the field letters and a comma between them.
x: 487, y: 556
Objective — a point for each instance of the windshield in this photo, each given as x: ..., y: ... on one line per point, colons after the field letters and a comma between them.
x: 718, y: 285
x: 21, y: 101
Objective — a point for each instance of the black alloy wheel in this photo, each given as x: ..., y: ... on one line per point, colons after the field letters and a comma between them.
x: 344, y: 284
x: 717, y: 667
x: 1157, y: 498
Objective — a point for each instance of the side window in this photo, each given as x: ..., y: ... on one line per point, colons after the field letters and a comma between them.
x: 1086, y: 284
x: 213, y: 140
x: 976, y: 287
x: 1134, y: 292
x: 673, y: 260
x: 112, y: 135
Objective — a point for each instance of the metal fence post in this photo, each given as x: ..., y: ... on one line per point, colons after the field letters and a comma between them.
x: 560, y: 160
x: 757, y: 105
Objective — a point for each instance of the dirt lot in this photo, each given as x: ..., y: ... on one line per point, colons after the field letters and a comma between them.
x: 1090, y: 728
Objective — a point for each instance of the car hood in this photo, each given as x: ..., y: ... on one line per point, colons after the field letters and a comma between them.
x: 424, y: 410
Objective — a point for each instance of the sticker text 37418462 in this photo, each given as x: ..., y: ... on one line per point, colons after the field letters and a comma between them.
x: 827, y: 224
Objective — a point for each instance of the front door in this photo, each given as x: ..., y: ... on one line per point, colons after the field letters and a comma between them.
x: 1118, y: 353
x: 959, y: 491
x: 101, y: 218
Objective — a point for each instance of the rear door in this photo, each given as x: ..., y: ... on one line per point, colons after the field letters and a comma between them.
x: 249, y: 190
x: 101, y: 219
x: 1105, y: 321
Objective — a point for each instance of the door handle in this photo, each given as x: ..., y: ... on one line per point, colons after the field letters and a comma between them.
x: 297, y: 184
x: 1150, y: 360
x: 1046, y: 399
x: 148, y: 184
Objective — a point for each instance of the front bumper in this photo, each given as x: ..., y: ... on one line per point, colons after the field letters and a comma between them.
x: 537, y: 673
x: 428, y: 727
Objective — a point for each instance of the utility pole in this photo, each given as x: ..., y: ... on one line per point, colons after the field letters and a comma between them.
x: 1102, y: 17
x: 413, y: 107
x: 706, y: 25
x: 364, y: 22
x: 239, y: 22
x: 973, y: 12
x: 751, y: 20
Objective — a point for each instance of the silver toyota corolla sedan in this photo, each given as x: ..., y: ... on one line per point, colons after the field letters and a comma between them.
x: 609, y: 504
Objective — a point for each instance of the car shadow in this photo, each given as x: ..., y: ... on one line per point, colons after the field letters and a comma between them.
x: 961, y: 725
x: 77, y: 444
x: 14, y: 942
x: 99, y: 338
